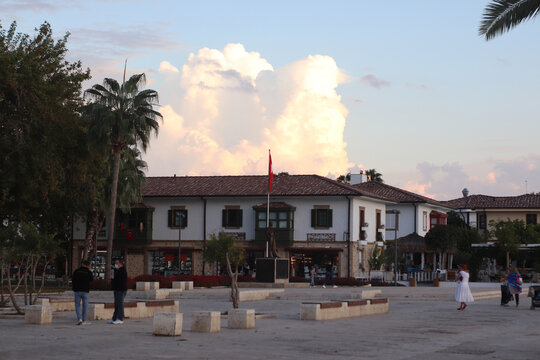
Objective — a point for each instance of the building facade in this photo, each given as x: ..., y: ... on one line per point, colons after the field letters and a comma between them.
x: 315, y: 220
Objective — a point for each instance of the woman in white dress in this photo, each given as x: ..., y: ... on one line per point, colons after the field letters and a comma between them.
x: 463, y: 292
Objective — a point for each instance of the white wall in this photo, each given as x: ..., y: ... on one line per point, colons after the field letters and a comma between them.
x: 405, y: 220
x: 370, y: 208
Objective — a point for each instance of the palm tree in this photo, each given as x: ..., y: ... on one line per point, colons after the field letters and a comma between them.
x: 373, y: 175
x: 124, y: 115
x: 503, y: 15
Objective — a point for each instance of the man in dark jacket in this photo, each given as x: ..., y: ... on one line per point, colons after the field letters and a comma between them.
x: 119, y: 285
x: 82, y: 277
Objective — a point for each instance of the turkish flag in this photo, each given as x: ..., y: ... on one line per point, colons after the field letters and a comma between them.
x: 270, y: 174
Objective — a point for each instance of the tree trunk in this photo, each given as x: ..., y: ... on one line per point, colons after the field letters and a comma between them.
x: 12, y: 292
x: 112, y: 213
x: 90, y: 231
x: 234, y: 282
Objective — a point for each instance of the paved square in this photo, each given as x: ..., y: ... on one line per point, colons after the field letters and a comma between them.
x: 423, y: 323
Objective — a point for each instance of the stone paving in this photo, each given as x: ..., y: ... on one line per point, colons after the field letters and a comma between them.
x: 423, y: 323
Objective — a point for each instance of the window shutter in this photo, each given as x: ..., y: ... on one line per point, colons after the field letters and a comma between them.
x: 224, y: 217
x: 185, y: 218
x: 240, y: 216
x: 329, y: 217
x: 169, y: 218
x: 313, y: 217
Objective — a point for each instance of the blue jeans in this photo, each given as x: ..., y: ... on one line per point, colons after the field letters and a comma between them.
x: 119, y: 305
x: 81, y: 295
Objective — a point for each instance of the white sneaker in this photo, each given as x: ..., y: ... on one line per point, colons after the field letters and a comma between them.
x: 335, y: 286
x: 118, y: 322
x: 324, y: 286
x: 79, y: 322
x: 110, y: 321
x: 86, y: 323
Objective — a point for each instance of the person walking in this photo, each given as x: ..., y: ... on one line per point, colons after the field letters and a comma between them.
x: 119, y: 285
x: 463, y: 292
x: 80, y: 281
x: 312, y: 274
x: 330, y: 275
x: 514, y: 284
x: 505, y: 293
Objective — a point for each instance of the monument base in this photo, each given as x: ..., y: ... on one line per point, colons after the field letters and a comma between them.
x: 272, y: 270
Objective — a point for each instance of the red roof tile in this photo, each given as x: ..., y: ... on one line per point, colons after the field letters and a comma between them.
x: 527, y: 201
x: 248, y: 185
x: 395, y: 194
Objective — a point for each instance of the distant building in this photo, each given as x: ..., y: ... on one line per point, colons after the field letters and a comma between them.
x: 316, y: 220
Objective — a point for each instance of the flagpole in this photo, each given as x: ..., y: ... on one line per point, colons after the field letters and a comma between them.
x: 268, y: 202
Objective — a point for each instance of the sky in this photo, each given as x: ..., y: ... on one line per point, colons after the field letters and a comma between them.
x: 330, y: 87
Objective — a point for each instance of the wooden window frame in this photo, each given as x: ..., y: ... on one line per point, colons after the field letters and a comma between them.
x: 225, y: 217
x: 424, y: 220
x: 315, y: 217
x: 171, y: 216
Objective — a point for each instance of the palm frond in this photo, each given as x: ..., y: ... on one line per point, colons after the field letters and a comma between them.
x: 503, y: 15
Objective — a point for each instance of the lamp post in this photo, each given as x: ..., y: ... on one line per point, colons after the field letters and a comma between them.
x: 179, y: 221
x: 396, y: 213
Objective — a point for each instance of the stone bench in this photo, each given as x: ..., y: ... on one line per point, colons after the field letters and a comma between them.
x: 154, y: 294
x: 38, y: 314
x: 132, y: 309
x: 146, y: 285
x: 241, y: 319
x: 343, y: 309
x: 366, y: 294
x: 58, y: 303
x: 206, y: 321
x: 256, y: 295
x: 168, y: 323
x: 183, y: 285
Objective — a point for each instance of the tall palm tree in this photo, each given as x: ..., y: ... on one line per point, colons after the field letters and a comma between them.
x: 124, y: 115
x: 503, y: 15
x: 373, y: 175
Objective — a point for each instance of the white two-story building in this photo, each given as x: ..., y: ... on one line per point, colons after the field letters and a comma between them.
x: 316, y: 221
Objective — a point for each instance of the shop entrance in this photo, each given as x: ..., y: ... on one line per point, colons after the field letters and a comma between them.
x: 301, y: 262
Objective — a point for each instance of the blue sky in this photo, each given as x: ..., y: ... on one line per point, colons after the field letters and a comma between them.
x: 418, y: 95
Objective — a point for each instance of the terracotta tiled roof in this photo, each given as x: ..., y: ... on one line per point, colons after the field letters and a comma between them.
x: 395, y: 194
x: 249, y: 185
x: 527, y: 201
x: 274, y: 205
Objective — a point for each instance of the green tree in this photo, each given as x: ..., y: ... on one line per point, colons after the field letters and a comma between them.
x: 124, y: 115
x: 503, y: 15
x: 510, y: 234
x: 43, y: 153
x: 373, y: 175
x: 346, y: 179
x: 223, y: 248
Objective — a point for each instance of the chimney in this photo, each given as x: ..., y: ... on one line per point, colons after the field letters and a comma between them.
x: 358, y: 178
x: 465, y: 192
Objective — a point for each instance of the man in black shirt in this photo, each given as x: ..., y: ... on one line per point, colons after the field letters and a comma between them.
x: 82, y: 277
x: 119, y: 285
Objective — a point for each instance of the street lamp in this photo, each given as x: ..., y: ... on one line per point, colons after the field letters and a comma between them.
x: 396, y: 213
x: 179, y: 221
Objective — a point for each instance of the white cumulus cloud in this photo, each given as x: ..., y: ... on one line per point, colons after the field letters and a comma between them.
x: 230, y: 106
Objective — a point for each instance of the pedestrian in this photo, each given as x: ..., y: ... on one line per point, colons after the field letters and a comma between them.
x: 82, y: 277
x: 514, y: 284
x: 312, y: 274
x: 329, y: 274
x: 463, y: 292
x: 119, y: 285
x: 505, y: 293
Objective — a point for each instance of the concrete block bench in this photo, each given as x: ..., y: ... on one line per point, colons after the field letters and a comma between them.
x: 366, y: 294
x: 206, y: 321
x: 58, y: 303
x: 146, y: 285
x: 161, y: 306
x: 38, y: 314
x: 132, y: 309
x: 241, y: 319
x: 343, y: 309
x: 183, y: 285
x: 259, y: 294
x: 168, y: 323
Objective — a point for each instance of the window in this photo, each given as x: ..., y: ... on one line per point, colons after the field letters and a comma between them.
x: 362, y: 222
x: 378, y: 219
x: 321, y: 217
x: 482, y: 221
x: 278, y: 219
x: 392, y: 221
x: 531, y: 219
x: 178, y: 218
x: 231, y: 217
x: 424, y: 220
